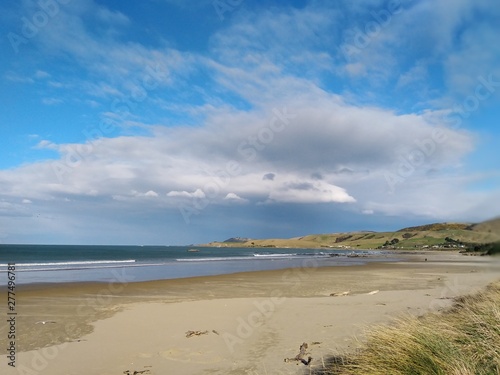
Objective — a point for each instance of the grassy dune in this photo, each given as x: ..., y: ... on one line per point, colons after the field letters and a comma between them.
x: 464, y: 340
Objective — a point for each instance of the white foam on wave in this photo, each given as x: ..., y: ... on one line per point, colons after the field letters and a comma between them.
x: 256, y: 256
x: 276, y: 255
x: 212, y: 259
x: 76, y: 263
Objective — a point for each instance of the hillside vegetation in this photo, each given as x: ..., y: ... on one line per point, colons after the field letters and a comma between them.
x: 432, y: 236
x: 437, y: 227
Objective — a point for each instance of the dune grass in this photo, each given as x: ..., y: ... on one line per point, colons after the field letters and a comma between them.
x: 463, y: 340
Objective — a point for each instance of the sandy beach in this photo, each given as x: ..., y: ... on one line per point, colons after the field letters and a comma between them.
x: 247, y: 323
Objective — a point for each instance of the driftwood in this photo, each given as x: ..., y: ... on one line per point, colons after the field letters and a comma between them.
x: 300, y: 357
x: 195, y: 333
x: 128, y: 372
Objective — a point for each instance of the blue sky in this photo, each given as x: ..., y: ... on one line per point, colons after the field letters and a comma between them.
x: 174, y: 122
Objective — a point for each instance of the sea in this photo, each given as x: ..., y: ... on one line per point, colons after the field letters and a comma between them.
x: 39, y: 264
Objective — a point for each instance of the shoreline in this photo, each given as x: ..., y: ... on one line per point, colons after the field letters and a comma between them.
x: 119, y: 272
x: 176, y: 266
x: 88, y: 313
x: 381, y: 259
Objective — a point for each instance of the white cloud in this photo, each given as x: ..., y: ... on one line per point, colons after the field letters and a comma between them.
x: 355, y: 69
x: 310, y: 192
x: 13, y: 77
x: 107, y: 16
x: 232, y: 197
x: 151, y: 193
x: 308, y: 157
x: 52, y: 101
x: 198, y: 193
x: 148, y: 194
x: 118, y: 69
x: 477, y: 56
x: 45, y: 144
x: 40, y: 74
x: 417, y: 75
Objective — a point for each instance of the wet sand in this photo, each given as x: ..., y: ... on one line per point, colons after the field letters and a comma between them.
x: 245, y: 323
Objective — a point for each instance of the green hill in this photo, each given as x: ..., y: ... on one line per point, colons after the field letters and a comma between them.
x: 431, y: 236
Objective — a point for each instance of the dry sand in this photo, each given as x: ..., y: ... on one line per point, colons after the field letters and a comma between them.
x: 250, y: 322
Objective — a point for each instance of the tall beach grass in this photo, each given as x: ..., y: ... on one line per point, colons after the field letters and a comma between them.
x: 463, y: 340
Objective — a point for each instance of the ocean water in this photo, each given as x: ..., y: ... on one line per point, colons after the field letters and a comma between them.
x: 65, y: 263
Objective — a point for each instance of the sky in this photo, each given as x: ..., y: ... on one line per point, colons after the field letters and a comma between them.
x: 169, y: 122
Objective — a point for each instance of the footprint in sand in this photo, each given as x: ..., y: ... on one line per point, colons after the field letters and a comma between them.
x: 145, y: 355
x: 187, y: 356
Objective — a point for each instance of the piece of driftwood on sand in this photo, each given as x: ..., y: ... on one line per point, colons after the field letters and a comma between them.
x: 340, y: 294
x: 195, y: 333
x: 300, y: 357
